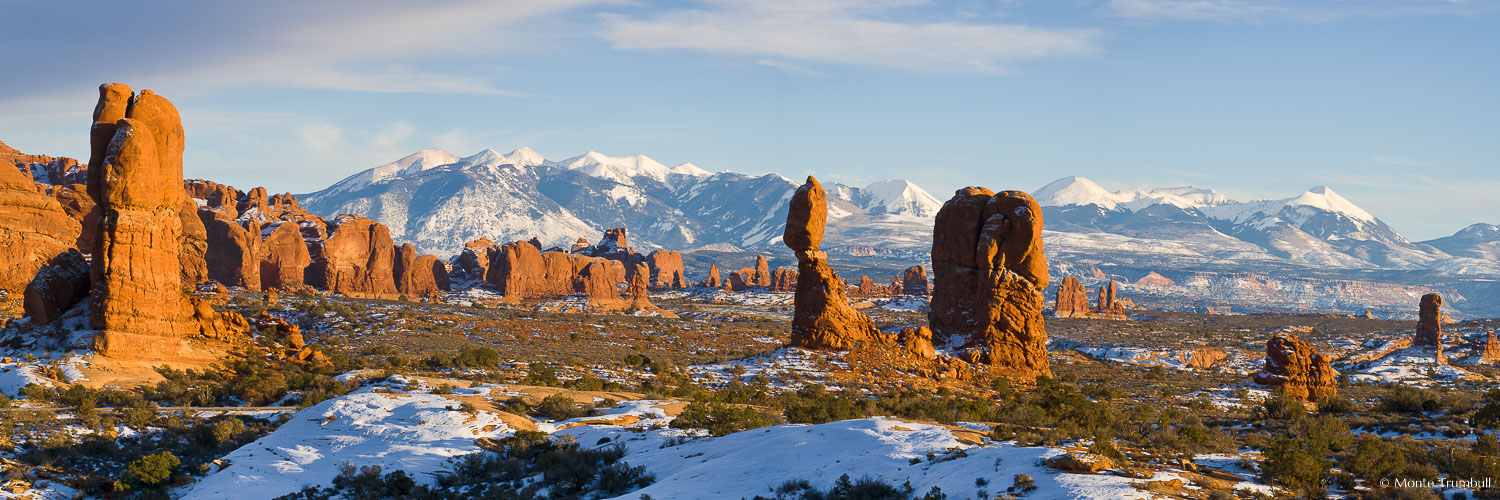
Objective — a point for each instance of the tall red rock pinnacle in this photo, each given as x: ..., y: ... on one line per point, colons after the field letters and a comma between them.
x: 138, y: 305
x: 713, y: 280
x: 1296, y: 367
x: 1430, y: 322
x: 822, y: 317
x: 989, y: 270
x: 762, y: 276
x: 666, y: 269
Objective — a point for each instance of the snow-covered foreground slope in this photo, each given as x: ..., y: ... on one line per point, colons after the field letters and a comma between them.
x: 753, y: 462
x: 422, y: 433
x: 417, y: 433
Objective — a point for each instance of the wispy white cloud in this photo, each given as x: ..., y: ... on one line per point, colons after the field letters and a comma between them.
x: 843, y: 32
x: 1291, y: 10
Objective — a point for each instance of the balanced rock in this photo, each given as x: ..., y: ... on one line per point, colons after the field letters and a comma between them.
x: 1297, y: 368
x: 822, y: 317
x: 914, y: 281
x: 1072, y: 299
x: 989, y: 271
x: 356, y: 260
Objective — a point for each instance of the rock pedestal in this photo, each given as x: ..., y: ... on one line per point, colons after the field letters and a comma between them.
x: 1297, y: 368
x: 822, y: 317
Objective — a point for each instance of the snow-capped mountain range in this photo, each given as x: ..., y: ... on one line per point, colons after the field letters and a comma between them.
x: 1317, y: 251
x: 438, y: 201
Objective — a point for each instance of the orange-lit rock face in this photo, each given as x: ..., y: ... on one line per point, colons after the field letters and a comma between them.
x: 355, y: 260
x: 34, y: 228
x: 1296, y: 367
x: 283, y: 256
x: 666, y: 269
x: 989, y: 270
x: 822, y: 317
x: 1429, y: 321
x: 418, y: 275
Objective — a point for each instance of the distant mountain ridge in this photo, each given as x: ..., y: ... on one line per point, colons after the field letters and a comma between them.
x: 438, y: 201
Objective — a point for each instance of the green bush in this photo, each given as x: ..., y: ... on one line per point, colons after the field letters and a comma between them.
x: 559, y: 407
x: 153, y: 469
x: 720, y: 419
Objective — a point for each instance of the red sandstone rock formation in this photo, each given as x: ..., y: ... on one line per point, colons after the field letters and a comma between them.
x: 233, y: 256
x: 34, y: 228
x: 63, y: 282
x: 989, y: 271
x: 638, y: 294
x: 522, y: 272
x: 356, y: 259
x: 666, y: 269
x: 914, y: 281
x: 1429, y: 322
x: 918, y: 342
x: 1298, y: 369
x: 1489, y: 351
x: 1072, y: 299
x: 741, y: 280
x: 822, y: 317
x: 713, y: 280
x: 580, y: 245
x: 1155, y: 279
x: 762, y: 277
x: 474, y: 262
x: 784, y: 280
x: 599, y: 281
x: 1109, y: 303
x: 418, y: 275
x: 283, y: 256
x: 135, y: 175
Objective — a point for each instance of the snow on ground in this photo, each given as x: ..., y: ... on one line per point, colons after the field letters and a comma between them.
x: 39, y: 490
x: 1228, y: 397
x: 14, y: 376
x: 417, y: 433
x: 1412, y: 366
x: 903, y: 303
x: 775, y: 364
x: 753, y: 462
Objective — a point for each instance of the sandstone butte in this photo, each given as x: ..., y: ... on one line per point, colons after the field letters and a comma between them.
x: 914, y: 281
x: 1072, y: 299
x: 1488, y: 350
x: 989, y: 270
x: 356, y: 260
x: 1297, y: 368
x: 666, y: 269
x: 418, y: 275
x: 784, y: 280
x: 822, y: 317
x: 34, y: 228
x: 1429, y: 322
x: 135, y: 174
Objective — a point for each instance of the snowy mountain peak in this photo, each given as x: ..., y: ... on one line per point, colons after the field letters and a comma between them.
x: 1080, y: 191
x: 525, y: 157
x: 690, y: 169
x: 1321, y: 197
x: 621, y: 170
x: 898, y: 196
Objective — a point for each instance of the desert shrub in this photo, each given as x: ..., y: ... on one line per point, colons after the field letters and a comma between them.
x: 720, y: 419
x: 538, y: 373
x: 864, y: 488
x: 153, y: 469
x: 559, y: 407
x: 1408, y: 399
x: 1281, y: 406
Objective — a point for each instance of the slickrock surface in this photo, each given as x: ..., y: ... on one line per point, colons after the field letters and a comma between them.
x: 989, y: 271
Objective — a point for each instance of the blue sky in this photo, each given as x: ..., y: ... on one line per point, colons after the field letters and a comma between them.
x: 1393, y: 103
